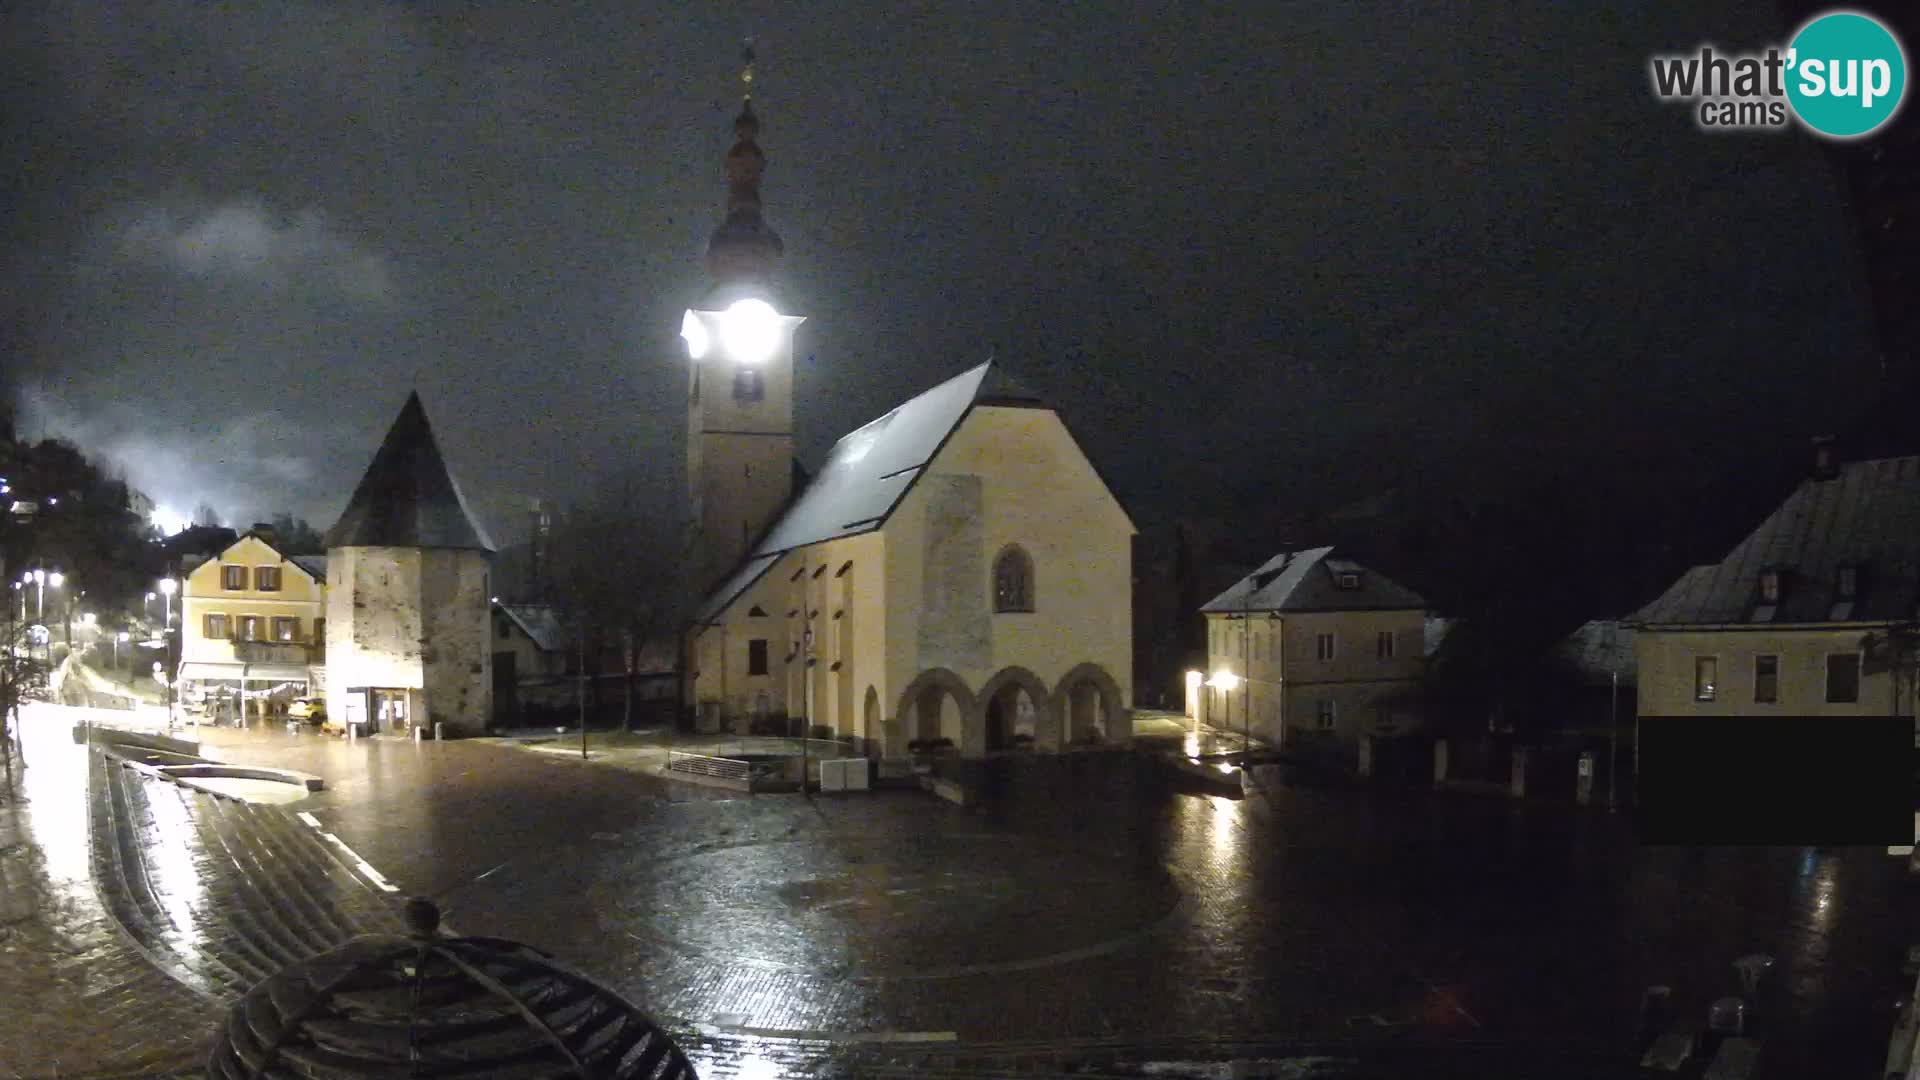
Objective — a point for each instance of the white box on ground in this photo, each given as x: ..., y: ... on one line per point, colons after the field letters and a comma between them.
x: 844, y: 774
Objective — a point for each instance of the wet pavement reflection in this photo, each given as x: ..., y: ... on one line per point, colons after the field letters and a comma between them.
x: 1091, y: 903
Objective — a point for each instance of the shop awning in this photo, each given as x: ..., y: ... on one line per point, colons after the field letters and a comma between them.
x: 201, y: 670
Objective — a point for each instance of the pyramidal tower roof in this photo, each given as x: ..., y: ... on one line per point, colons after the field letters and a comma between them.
x: 407, y: 498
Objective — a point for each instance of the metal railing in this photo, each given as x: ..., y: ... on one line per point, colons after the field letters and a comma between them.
x: 705, y: 765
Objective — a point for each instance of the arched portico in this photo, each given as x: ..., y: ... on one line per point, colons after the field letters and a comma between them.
x: 998, y: 709
x: 936, y: 704
x: 1087, y: 707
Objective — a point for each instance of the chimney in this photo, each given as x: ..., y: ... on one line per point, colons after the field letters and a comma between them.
x: 264, y: 530
x: 1826, y: 458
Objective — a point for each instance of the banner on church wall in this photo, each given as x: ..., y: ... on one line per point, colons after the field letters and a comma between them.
x: 956, y: 627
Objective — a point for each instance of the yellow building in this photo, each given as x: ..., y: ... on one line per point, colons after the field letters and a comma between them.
x: 957, y: 569
x: 1312, y: 645
x: 254, y: 619
x: 1781, y: 627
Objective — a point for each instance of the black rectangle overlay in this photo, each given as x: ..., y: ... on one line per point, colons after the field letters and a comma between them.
x: 1820, y: 781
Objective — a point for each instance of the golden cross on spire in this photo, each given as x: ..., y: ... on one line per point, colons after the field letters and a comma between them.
x: 746, y: 71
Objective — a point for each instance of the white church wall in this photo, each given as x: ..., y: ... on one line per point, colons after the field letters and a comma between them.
x: 1037, y: 489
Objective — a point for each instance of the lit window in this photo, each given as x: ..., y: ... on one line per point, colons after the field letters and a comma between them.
x: 266, y: 579
x: 1706, y: 676
x: 286, y: 629
x: 1324, y: 646
x: 1843, y: 678
x: 233, y: 578
x: 1383, y: 645
x: 1766, y: 679
x: 249, y: 628
x: 1013, y: 581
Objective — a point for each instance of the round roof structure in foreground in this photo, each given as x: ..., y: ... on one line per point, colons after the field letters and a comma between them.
x: 397, y: 1007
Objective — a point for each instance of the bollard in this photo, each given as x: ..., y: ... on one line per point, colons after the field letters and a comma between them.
x: 1519, y: 786
x: 417, y: 730
x: 1583, y: 786
x: 1439, y: 762
x: 439, y: 730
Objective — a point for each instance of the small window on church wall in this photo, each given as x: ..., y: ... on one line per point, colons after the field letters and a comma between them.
x: 749, y: 384
x: 757, y: 656
x: 1013, y: 581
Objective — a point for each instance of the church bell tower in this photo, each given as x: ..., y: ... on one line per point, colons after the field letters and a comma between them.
x: 740, y: 352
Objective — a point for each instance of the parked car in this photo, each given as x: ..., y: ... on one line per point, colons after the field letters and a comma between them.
x: 308, y: 710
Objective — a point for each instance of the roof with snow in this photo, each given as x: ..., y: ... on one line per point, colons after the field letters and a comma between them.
x: 1865, y: 521
x: 870, y: 470
x: 407, y: 497
x: 1314, y: 580
x: 314, y: 565
x: 540, y: 622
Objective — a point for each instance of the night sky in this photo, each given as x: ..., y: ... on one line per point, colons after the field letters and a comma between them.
x: 1270, y: 251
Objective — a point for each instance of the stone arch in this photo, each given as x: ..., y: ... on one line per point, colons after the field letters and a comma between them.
x: 928, y: 689
x: 1046, y: 735
x: 1083, y: 693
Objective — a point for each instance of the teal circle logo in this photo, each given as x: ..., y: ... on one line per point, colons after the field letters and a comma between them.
x: 1846, y: 75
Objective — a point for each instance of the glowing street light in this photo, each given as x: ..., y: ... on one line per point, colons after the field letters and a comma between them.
x: 168, y: 587
x: 1227, y: 682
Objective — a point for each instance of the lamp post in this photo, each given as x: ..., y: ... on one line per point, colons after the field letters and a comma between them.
x: 167, y: 587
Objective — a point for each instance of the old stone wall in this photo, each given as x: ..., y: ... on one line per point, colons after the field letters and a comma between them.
x: 455, y: 649
x: 414, y: 619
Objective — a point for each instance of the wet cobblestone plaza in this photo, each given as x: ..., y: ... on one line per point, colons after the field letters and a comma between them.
x: 1086, y: 909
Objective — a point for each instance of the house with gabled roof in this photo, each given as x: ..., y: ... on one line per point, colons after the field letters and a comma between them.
x: 253, y: 622
x: 1313, y: 646
x: 1786, y: 624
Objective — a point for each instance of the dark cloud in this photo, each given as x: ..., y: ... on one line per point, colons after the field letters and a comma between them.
x: 1248, y: 250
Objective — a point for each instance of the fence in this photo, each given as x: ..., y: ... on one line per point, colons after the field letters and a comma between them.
x: 705, y: 765
x: 775, y: 745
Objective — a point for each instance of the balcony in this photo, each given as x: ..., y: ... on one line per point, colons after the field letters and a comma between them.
x: 279, y: 652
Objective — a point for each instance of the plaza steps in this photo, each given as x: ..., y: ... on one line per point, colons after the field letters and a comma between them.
x: 217, y: 892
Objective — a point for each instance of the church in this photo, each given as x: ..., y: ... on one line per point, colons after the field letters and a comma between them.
x: 956, y: 570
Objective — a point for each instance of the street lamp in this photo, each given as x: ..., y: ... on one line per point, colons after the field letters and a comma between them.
x: 167, y: 588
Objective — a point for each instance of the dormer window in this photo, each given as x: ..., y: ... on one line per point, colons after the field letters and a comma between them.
x: 1846, y: 583
x: 1770, y: 586
x: 1348, y: 580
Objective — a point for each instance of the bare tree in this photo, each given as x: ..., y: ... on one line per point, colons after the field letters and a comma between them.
x: 618, y: 581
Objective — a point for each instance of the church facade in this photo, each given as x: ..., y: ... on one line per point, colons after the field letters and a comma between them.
x: 957, y: 570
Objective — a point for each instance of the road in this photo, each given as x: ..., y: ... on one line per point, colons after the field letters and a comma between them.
x: 1090, y: 905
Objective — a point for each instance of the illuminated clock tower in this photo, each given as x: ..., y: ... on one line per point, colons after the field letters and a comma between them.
x: 740, y: 352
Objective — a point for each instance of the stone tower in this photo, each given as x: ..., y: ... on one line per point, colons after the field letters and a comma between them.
x: 408, y: 593
x: 740, y: 386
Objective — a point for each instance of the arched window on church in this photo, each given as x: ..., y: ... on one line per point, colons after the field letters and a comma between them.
x: 1013, y: 580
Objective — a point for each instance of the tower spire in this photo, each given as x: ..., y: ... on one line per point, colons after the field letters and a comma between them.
x: 744, y: 248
